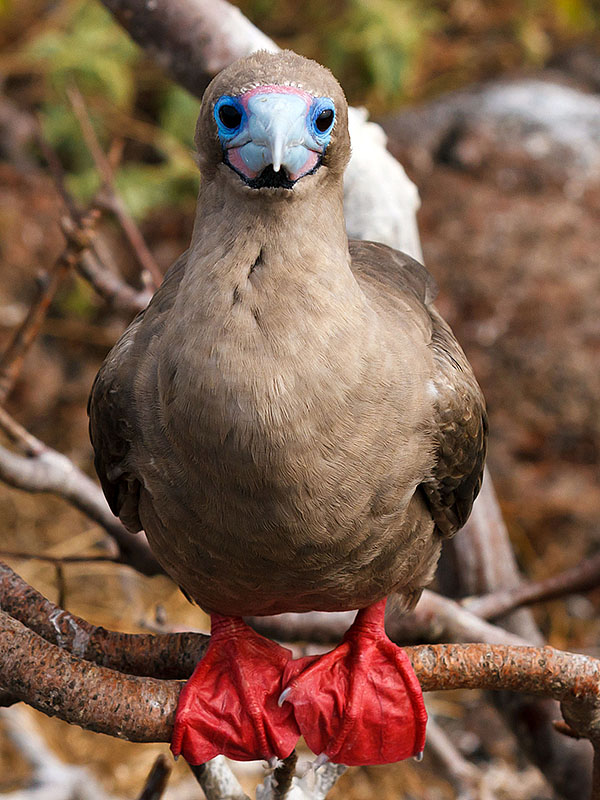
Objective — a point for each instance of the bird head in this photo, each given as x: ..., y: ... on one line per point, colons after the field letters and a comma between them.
x: 273, y: 121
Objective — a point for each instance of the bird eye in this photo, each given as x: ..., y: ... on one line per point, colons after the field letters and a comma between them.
x: 324, y: 121
x: 230, y: 116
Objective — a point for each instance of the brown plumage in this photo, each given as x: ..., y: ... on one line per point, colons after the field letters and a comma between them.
x: 290, y: 420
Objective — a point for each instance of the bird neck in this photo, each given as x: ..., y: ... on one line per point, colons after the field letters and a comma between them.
x: 302, y: 230
x: 270, y: 308
x: 268, y: 256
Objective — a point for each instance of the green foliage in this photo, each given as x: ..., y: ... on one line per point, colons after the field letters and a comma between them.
x: 87, y: 48
x: 377, y: 43
x: 91, y: 51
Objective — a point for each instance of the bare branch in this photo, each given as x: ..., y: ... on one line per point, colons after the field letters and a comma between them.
x: 110, y: 198
x: 46, y: 470
x: 314, y: 784
x: 582, y: 578
x: 218, y: 781
x: 485, y: 562
x: 164, y: 655
x: 191, y: 40
x: 436, y: 618
x: 465, y: 777
x: 113, y: 289
x: 51, y: 779
x: 107, y: 284
x: 59, y: 560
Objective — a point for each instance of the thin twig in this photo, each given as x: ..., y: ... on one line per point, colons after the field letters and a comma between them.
x: 46, y: 470
x: 90, y: 266
x: 110, y: 198
x: 20, y: 555
x: 26, y: 441
x: 157, y: 780
x: 78, y: 240
x: 113, y: 289
x: 582, y: 578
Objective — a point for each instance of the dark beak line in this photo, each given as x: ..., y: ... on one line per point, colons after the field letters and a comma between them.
x: 268, y: 178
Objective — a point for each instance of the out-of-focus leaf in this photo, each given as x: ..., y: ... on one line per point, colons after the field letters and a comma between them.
x: 144, y: 187
x: 92, y: 50
x: 178, y: 115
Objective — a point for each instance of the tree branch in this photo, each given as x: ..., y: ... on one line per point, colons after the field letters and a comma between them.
x: 110, y: 197
x: 582, y: 578
x: 96, y: 698
x: 190, y: 39
x: 46, y: 470
x: 78, y: 240
x: 484, y: 562
x: 161, y: 656
x: 90, y: 266
x: 436, y: 618
x: 218, y: 781
x: 157, y: 780
x: 142, y: 709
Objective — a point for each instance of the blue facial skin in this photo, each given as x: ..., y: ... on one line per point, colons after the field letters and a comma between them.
x: 276, y: 130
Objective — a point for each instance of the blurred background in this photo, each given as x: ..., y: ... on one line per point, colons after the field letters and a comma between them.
x: 494, y: 110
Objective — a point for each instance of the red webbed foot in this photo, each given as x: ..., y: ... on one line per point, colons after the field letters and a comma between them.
x: 361, y: 703
x: 229, y: 705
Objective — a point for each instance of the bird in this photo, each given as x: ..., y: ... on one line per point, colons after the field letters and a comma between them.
x: 295, y: 428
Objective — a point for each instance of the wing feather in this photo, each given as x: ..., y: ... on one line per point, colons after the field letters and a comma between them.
x: 111, y: 405
x: 459, y: 425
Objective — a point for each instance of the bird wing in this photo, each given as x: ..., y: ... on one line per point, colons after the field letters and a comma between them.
x: 459, y: 425
x: 111, y: 405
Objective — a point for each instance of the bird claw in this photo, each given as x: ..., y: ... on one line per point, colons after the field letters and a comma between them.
x: 284, y: 696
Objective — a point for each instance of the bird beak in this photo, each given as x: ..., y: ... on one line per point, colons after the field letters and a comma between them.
x: 277, y: 149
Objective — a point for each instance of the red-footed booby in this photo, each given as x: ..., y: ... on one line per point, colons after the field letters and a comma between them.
x: 294, y: 427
